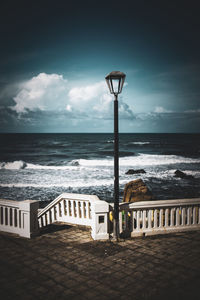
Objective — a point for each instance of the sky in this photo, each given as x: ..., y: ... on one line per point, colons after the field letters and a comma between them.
x: 54, y: 56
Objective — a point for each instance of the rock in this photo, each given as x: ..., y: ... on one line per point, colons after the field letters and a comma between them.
x: 182, y: 175
x: 139, y: 171
x: 136, y: 190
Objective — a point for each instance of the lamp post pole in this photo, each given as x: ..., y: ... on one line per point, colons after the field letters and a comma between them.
x: 115, y: 81
x: 116, y: 172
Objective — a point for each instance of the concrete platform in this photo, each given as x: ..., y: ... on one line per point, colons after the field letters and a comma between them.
x: 65, y: 263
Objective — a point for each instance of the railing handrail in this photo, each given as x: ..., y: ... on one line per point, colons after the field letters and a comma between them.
x: 10, y: 203
x: 159, y: 203
x: 69, y: 196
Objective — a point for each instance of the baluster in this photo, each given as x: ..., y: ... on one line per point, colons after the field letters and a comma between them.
x: 183, y: 216
x: 161, y: 218
x: 49, y: 219
x: 155, y: 219
x: 64, y: 207
x: 7, y: 216
x: 52, y: 214
x: 4, y: 215
x: 87, y: 209
x: 75, y: 208
x: 20, y: 225
x: 177, y: 216
x: 166, y: 217
x: 82, y: 209
x: 72, y: 208
x: 138, y: 220
x: 44, y: 220
x: 62, y: 211
x: 15, y: 217
x: 144, y: 219
x: 150, y: 219
x: 57, y: 211
x: 194, y: 215
x: 68, y: 208
x: 78, y: 210
x: 189, y: 213
x: 172, y: 217
x: 120, y: 222
x: 11, y: 217
x: 39, y: 222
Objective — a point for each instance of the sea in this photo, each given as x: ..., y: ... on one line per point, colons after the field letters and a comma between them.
x: 42, y: 166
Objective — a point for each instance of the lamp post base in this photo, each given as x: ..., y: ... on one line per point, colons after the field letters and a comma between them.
x: 115, y: 230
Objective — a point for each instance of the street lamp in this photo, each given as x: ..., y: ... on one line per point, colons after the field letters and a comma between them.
x: 115, y: 81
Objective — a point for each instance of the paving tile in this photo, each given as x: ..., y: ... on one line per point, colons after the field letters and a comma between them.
x: 68, y: 264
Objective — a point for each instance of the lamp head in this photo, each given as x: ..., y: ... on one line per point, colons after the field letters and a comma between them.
x: 115, y: 81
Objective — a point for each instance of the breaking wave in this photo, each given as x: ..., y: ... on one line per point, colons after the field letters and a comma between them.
x: 15, y: 165
x: 128, y: 161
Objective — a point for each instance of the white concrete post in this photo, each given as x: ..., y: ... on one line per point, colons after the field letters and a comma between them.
x: 100, y: 210
x: 29, y: 219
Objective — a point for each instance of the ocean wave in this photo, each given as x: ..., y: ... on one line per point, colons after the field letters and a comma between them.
x: 110, y: 141
x: 140, y: 160
x: 74, y: 162
x: 140, y: 143
x: 127, y: 161
x: 111, y: 153
x: 79, y: 180
x: 15, y: 165
x: 71, y: 184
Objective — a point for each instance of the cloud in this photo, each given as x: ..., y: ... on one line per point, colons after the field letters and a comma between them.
x: 91, y: 99
x: 162, y: 110
x: 192, y: 111
x: 51, y: 92
x: 96, y: 100
x: 42, y: 92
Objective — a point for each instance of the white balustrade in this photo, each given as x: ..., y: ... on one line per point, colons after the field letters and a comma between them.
x: 19, y: 217
x: 161, y: 216
x: 139, y: 218
x: 78, y: 209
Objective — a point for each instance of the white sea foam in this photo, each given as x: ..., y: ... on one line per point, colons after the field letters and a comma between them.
x: 15, y: 165
x: 140, y: 143
x: 70, y: 184
x: 44, y: 167
x: 136, y: 161
x: 81, y: 180
x: 140, y: 160
x: 154, y: 159
x: 110, y: 141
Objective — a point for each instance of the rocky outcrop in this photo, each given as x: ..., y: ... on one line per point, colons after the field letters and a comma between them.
x: 136, y: 190
x: 182, y: 175
x: 132, y: 171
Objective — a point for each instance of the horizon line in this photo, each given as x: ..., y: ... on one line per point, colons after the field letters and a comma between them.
x: 99, y: 132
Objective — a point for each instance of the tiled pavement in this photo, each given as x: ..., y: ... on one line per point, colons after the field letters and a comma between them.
x: 65, y: 263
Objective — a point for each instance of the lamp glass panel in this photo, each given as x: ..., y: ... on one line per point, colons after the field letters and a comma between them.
x: 115, y: 85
